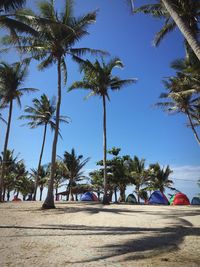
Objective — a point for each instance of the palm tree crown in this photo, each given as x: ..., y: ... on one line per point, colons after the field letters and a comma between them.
x: 188, y: 10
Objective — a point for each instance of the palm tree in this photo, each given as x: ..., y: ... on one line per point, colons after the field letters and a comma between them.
x: 73, y: 165
x: 99, y: 79
x: 9, y: 178
x: 42, y: 177
x: 42, y: 114
x: 138, y: 174
x: 159, y: 178
x: 57, y: 35
x: 180, y: 99
x: 12, y: 78
x: 183, y: 14
x: 182, y: 24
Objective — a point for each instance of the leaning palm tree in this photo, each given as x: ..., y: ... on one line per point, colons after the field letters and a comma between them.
x: 57, y: 36
x: 12, y: 78
x: 42, y: 114
x: 179, y: 99
x: 183, y: 14
x: 73, y: 164
x: 99, y: 79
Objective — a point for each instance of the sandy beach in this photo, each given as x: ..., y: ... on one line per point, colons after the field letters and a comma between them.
x: 87, y: 234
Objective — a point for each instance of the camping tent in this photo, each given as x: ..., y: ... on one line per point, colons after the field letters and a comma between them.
x: 131, y: 199
x: 180, y: 199
x: 158, y: 197
x: 195, y: 201
x: 89, y: 196
x: 171, y: 200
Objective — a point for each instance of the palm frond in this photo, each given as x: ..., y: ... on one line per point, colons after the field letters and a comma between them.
x: 169, y: 27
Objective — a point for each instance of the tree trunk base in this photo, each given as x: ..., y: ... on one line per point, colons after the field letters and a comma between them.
x: 105, y: 200
x: 46, y: 206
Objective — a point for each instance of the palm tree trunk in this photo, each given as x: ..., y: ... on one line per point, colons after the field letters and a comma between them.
x: 193, y: 42
x: 39, y: 164
x: 193, y: 128
x: 5, y: 150
x: 105, y: 197
x: 41, y: 190
x: 49, y: 201
x: 115, y: 191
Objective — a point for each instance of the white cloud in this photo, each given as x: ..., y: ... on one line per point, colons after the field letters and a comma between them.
x: 190, y: 173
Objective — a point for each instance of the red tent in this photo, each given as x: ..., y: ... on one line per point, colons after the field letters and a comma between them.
x: 181, y: 199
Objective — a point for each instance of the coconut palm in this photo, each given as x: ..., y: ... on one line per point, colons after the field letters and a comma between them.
x: 73, y: 165
x: 138, y: 174
x: 57, y: 36
x: 98, y: 78
x: 12, y: 77
x: 9, y: 179
x: 42, y: 114
x: 159, y: 177
x: 21, y: 179
x: 42, y: 177
x: 180, y: 99
x: 183, y: 14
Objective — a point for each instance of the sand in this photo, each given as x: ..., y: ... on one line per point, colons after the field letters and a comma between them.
x: 87, y: 234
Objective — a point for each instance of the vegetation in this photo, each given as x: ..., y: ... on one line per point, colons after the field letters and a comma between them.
x: 50, y: 37
x: 98, y: 78
x: 12, y: 77
x: 183, y: 14
x: 42, y: 114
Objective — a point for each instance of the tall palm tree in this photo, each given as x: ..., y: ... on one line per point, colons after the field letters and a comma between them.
x: 99, y: 79
x: 12, y: 78
x: 57, y: 35
x: 42, y: 114
x: 74, y: 164
x: 183, y: 14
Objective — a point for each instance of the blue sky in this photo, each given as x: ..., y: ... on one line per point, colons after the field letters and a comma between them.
x: 133, y: 124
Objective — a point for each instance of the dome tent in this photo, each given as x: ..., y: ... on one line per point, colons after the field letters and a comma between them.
x: 180, y: 199
x: 131, y: 199
x: 157, y: 197
x: 89, y: 196
x: 195, y: 201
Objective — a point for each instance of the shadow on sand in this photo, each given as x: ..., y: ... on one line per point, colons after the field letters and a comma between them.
x: 143, y: 242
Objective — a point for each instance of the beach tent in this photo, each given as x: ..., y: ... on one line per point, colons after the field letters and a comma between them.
x: 131, y: 199
x: 195, y: 201
x: 158, y: 197
x: 180, y: 199
x: 171, y: 200
x: 89, y: 196
x: 16, y: 199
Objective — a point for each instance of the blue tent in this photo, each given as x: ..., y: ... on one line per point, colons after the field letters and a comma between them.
x: 195, y: 201
x: 89, y: 196
x: 158, y: 197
